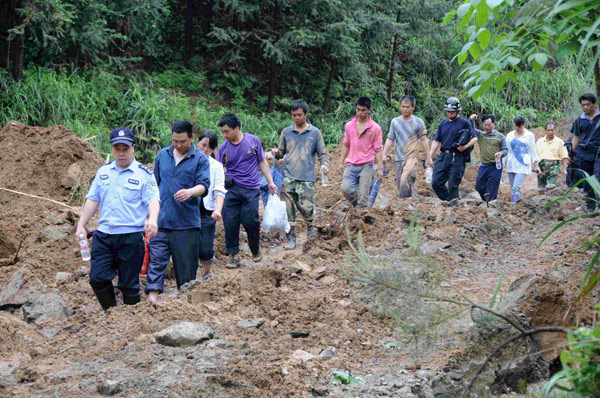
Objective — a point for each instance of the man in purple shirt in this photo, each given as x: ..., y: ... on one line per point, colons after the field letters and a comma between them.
x: 242, y: 156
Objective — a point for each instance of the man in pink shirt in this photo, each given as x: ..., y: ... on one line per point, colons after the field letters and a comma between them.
x: 362, y: 145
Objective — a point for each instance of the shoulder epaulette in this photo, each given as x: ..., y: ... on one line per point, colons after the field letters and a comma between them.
x: 145, y: 168
x: 105, y: 164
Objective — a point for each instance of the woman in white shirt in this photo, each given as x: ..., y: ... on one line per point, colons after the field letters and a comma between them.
x: 521, y: 158
x: 212, y: 204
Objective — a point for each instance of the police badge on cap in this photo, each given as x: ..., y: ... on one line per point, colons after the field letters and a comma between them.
x: 121, y: 135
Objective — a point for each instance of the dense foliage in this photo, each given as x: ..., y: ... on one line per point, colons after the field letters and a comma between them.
x: 93, y: 64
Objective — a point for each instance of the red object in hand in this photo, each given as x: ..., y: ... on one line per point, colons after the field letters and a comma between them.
x: 144, y: 269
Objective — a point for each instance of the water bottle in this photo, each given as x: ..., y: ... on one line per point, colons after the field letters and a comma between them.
x: 428, y: 174
x: 499, y: 164
x: 324, y: 178
x: 83, y: 246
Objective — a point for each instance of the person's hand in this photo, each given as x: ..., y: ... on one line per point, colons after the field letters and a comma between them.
x: 150, y: 228
x: 462, y: 148
x: 182, y: 195
x: 273, y: 188
x: 429, y: 161
x: 473, y: 116
x: 537, y: 170
x: 380, y: 172
x: 497, y: 156
x: 325, y: 169
x: 563, y: 172
x: 341, y: 166
x: 80, y: 231
x: 274, y: 152
x: 216, y: 215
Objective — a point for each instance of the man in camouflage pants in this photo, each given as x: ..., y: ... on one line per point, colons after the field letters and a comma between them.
x: 553, y: 156
x: 299, y: 143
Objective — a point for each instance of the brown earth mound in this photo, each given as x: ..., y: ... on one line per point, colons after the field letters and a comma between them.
x: 45, y: 161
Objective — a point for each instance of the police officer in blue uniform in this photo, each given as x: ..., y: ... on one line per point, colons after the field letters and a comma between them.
x: 450, y: 165
x: 586, y: 146
x: 127, y: 194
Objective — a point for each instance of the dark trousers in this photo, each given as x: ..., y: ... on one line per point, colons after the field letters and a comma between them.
x: 488, y: 180
x: 207, y: 237
x: 592, y: 167
x: 449, y: 168
x: 241, y: 206
x: 121, y: 254
x: 182, y: 245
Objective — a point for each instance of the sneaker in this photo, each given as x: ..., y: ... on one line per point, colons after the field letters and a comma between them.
x: 516, y: 198
x: 291, y: 239
x: 207, y: 275
x: 233, y: 263
x: 550, y: 186
x: 258, y: 256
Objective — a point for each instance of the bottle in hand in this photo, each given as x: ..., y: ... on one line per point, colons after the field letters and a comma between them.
x: 84, y: 248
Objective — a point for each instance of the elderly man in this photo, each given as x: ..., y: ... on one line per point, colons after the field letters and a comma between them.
x: 552, y: 155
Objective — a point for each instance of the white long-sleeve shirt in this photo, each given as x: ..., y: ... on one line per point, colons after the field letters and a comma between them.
x: 521, y: 152
x: 217, y: 184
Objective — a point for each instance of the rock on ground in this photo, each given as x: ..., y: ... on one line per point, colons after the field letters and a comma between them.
x: 46, y: 307
x: 184, y: 334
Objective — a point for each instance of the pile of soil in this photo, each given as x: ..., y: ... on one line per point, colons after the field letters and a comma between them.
x: 300, y: 293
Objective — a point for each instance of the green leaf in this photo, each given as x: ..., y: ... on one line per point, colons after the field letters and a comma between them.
x: 346, y: 378
x: 541, y: 58
x: 482, y: 15
x: 473, y: 90
x: 514, y: 61
x: 462, y: 10
x: 449, y: 17
x: 462, y: 57
x: 493, y: 3
x: 474, y: 51
x: 484, y: 37
x: 500, y: 82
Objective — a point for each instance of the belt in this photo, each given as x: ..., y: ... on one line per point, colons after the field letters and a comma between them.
x: 450, y: 151
x: 550, y: 161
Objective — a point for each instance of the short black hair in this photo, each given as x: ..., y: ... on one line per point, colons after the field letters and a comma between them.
x: 588, y: 97
x: 230, y: 120
x: 519, y: 121
x: 299, y: 104
x: 549, y: 124
x: 182, y: 126
x: 364, y: 101
x: 410, y: 99
x: 488, y: 116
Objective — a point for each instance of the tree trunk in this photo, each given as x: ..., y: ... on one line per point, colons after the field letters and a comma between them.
x: 390, y: 85
x: 18, y: 46
x: 189, y: 33
x: 332, y: 64
x: 597, y: 76
x: 272, y: 81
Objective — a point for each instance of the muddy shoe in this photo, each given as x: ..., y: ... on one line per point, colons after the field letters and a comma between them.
x: 233, y: 263
x: 312, y: 233
x: 291, y: 239
x: 207, y: 275
x: 258, y: 256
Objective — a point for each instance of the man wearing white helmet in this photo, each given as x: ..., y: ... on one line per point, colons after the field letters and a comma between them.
x: 454, y: 137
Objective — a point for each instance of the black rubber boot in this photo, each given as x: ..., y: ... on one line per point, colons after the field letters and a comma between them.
x: 106, y: 297
x: 291, y: 239
x: 131, y: 300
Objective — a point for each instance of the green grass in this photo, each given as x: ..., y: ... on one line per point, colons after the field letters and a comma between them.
x: 93, y: 102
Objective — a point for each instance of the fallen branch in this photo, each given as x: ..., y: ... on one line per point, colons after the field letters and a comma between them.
x: 37, y: 197
x: 12, y: 261
x: 89, y: 138
x: 506, y: 342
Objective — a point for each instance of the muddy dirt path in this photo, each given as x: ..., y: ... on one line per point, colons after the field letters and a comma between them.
x: 313, y: 321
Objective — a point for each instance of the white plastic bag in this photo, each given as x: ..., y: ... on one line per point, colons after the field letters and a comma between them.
x: 275, y: 216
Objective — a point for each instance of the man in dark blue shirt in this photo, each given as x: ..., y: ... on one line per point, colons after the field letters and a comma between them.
x: 586, y: 144
x: 450, y: 165
x: 182, y: 173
